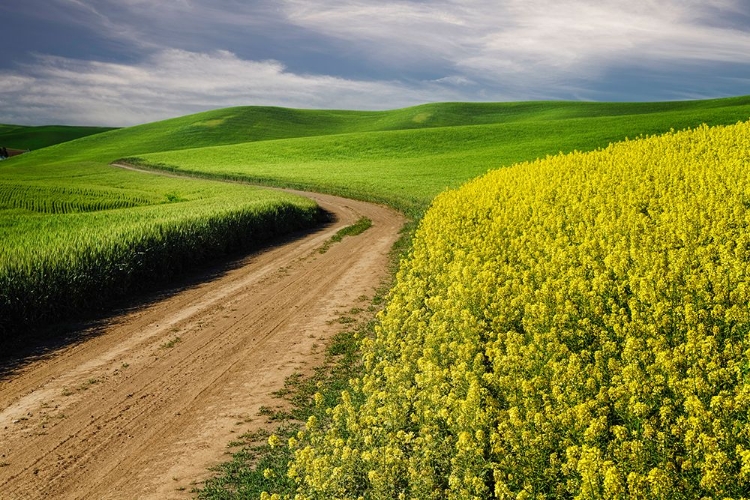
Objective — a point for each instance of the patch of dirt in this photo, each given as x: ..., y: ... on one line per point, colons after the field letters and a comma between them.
x: 142, y: 409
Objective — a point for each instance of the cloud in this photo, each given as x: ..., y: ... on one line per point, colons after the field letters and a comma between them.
x: 159, y: 59
x: 456, y: 80
x: 394, y: 33
x: 14, y: 83
x: 534, y: 43
x: 176, y: 82
x: 143, y: 26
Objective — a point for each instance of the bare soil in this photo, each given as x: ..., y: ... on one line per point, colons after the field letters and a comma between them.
x: 143, y: 408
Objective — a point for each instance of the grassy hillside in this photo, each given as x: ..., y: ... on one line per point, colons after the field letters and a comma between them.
x: 406, y: 157
x: 253, y: 124
x: 22, y: 137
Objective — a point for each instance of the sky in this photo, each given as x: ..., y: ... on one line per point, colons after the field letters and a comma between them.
x: 126, y: 62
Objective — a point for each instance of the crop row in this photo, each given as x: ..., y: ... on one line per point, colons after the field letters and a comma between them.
x: 574, y: 327
x: 66, y: 264
x: 61, y: 200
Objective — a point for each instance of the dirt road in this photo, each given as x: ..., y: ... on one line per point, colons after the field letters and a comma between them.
x: 141, y: 410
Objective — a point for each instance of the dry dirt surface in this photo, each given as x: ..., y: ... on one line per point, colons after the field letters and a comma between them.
x: 143, y: 408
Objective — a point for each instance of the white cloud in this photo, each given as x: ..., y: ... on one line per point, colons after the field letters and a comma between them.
x: 456, y: 80
x: 14, y: 83
x: 176, y: 82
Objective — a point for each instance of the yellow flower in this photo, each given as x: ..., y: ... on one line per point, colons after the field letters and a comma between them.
x: 273, y: 440
x: 571, y: 327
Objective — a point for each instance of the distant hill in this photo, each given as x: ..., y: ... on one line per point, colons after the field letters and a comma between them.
x: 262, y: 123
x: 558, y: 122
x: 19, y: 137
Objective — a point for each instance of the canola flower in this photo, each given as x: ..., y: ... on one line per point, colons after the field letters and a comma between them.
x: 574, y: 327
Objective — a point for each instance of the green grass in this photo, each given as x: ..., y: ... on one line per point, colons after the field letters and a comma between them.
x: 22, y: 137
x: 384, y: 157
x: 359, y: 227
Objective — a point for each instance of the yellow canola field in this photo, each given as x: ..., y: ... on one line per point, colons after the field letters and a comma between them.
x: 574, y: 327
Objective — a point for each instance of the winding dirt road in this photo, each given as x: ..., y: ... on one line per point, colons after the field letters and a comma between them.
x: 142, y: 409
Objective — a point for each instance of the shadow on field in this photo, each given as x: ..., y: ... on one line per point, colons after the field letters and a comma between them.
x: 40, y: 343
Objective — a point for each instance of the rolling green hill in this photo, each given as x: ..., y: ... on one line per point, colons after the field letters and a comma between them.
x: 232, y: 126
x: 406, y: 157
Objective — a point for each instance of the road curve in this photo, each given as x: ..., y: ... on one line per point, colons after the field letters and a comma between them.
x: 144, y: 408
